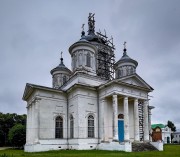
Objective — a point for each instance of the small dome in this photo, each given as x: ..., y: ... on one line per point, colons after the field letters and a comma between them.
x: 60, y: 67
x: 125, y: 66
x: 125, y: 58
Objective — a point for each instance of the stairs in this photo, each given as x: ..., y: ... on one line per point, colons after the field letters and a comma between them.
x: 139, y: 147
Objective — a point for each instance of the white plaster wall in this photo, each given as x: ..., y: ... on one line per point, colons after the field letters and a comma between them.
x: 122, y: 90
x: 83, y: 102
x: 87, y: 105
x: 85, y: 80
x: 49, y: 110
x: 42, y: 113
x: 73, y: 109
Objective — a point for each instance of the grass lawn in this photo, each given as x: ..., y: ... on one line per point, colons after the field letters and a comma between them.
x: 169, y: 151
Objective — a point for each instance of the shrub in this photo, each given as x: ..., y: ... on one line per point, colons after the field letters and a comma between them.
x: 17, y: 135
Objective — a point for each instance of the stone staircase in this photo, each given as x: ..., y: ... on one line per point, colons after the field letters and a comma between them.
x: 139, y: 147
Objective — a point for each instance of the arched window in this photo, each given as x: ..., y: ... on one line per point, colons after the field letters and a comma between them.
x: 80, y: 59
x: 132, y: 70
x: 71, y: 127
x: 88, y: 60
x: 127, y: 70
x: 90, y: 126
x: 64, y: 79
x: 120, y: 116
x: 120, y: 73
x: 59, y: 127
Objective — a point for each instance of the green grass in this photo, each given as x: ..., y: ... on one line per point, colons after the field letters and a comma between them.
x: 169, y: 151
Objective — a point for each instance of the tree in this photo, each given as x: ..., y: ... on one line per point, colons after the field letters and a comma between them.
x: 17, y: 135
x: 171, y: 125
x: 7, y: 121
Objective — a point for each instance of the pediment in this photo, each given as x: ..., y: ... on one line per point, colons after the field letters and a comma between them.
x: 135, y: 80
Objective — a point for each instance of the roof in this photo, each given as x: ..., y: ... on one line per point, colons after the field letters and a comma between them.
x: 121, y: 81
x: 60, y: 67
x: 126, y: 58
x: 92, y: 38
x: 29, y: 89
x: 153, y: 126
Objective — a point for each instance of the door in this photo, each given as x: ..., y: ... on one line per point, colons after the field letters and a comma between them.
x: 121, y: 130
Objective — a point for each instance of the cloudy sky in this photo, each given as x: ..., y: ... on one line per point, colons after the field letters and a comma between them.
x: 34, y: 32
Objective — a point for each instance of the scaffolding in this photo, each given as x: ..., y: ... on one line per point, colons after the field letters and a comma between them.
x: 105, y: 57
x: 141, y: 121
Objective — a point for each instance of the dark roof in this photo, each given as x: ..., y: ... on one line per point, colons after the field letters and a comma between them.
x: 60, y: 67
x: 126, y: 58
x: 92, y: 38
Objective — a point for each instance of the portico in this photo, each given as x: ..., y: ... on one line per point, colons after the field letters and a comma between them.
x: 127, y: 106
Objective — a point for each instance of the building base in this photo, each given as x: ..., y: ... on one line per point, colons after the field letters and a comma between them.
x: 124, y: 146
x: 158, y: 145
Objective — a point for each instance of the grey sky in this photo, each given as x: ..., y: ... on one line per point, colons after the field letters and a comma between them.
x: 32, y: 34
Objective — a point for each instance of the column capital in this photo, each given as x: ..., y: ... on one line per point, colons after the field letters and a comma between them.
x: 114, y: 95
x: 135, y: 99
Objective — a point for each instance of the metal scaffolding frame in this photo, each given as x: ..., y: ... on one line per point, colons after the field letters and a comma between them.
x: 141, y: 121
x: 105, y: 57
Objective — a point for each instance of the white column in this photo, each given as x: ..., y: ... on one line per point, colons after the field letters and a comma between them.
x: 150, y: 130
x: 115, y: 118
x: 102, y: 123
x: 146, y: 130
x: 136, y: 120
x: 126, y: 119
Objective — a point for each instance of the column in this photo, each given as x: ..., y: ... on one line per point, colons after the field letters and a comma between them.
x: 150, y: 130
x: 146, y: 130
x: 115, y: 118
x: 103, y: 124
x: 136, y: 120
x: 126, y: 119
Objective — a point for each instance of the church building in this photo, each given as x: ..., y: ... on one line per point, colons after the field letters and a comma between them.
x: 99, y: 104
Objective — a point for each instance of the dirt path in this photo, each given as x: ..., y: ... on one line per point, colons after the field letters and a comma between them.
x: 3, y: 148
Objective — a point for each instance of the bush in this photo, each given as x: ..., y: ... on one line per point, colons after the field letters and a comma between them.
x: 17, y: 135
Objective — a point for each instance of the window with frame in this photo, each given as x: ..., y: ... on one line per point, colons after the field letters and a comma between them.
x: 71, y: 127
x: 59, y: 127
x: 64, y: 79
x: 88, y: 60
x: 91, y: 126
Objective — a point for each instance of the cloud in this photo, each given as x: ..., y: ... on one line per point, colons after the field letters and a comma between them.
x: 33, y: 33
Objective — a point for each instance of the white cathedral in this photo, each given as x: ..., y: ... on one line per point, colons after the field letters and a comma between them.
x: 98, y: 104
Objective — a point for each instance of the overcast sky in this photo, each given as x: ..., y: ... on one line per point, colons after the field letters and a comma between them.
x: 34, y: 32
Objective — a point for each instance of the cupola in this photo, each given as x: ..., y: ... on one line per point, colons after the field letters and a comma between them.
x: 125, y: 66
x: 83, y: 52
x: 60, y: 74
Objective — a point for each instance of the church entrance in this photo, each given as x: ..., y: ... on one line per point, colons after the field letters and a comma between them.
x: 121, y: 127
